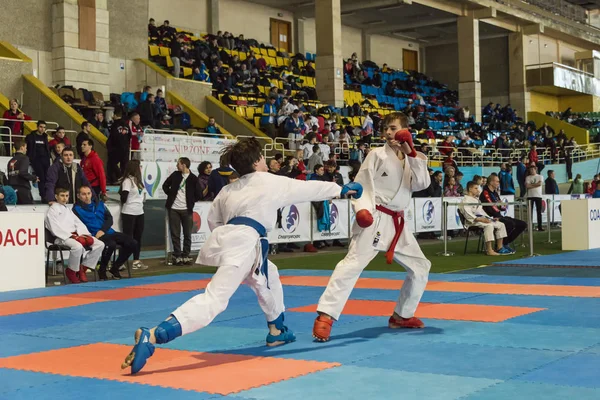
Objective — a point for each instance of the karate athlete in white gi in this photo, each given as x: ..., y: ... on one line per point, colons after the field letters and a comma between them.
x: 239, y: 218
x: 388, y: 176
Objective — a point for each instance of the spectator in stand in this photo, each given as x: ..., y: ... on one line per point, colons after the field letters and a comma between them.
x: 55, y: 154
x: 132, y: 196
x: 475, y: 215
x: 59, y: 136
x: 148, y: 112
x: 268, y: 118
x: 551, y: 186
x: 521, y: 174
x: 332, y: 173
x: 71, y: 232
x: 175, y: 47
x: 160, y: 103
x: 301, y: 166
x: 16, y: 126
x: 93, y: 168
x: 145, y: 92
x: 450, y: 163
x: 183, y: 191
x: 587, y: 188
x: 86, y: 128
x: 534, y: 158
x: 65, y: 174
x: 137, y: 134
x: 19, y: 176
x: 204, y: 171
x: 100, y: 123
x: 446, y: 147
x: 152, y: 29
x: 38, y: 151
x: 293, y: 128
x: 534, y: 183
x: 514, y: 227
x: 274, y: 167
x: 367, y: 128
x: 507, y: 186
x: 315, y: 159
x: 212, y: 126
x: 576, y: 186
x: 451, y: 190
x: 459, y: 186
x: 99, y: 221
x: 219, y: 177
x: 117, y: 146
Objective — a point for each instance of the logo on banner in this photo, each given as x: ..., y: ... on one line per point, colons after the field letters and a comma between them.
x: 290, y: 219
x: 505, y: 211
x: 334, y: 216
x: 152, y: 178
x: 594, y: 215
x: 574, y: 197
x: 457, y: 216
x: 428, y: 212
x: 544, y: 205
x: 197, y: 222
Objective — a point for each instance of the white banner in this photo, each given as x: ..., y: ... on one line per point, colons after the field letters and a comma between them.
x: 339, y: 216
x: 452, y: 217
x: 295, y: 225
x: 22, y: 251
x: 159, y: 147
x: 510, y: 208
x: 428, y: 214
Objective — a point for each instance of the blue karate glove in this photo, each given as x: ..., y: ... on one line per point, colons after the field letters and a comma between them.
x: 353, y: 186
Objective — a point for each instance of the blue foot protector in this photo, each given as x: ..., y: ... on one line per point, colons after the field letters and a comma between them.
x: 167, y: 330
x: 286, y: 335
x: 141, y: 352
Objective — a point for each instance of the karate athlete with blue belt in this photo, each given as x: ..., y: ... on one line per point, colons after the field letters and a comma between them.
x: 239, y: 218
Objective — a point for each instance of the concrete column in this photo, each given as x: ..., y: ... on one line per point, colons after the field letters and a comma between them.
x: 469, y: 83
x: 299, y: 46
x: 366, y: 45
x: 213, y: 16
x: 329, y: 72
x: 519, y: 96
x: 74, y: 66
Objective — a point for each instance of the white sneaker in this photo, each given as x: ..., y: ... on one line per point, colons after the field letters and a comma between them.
x: 139, y: 265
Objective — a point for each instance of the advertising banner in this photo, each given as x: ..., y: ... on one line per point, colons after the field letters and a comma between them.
x: 160, y: 147
x: 295, y: 225
x: 339, y: 216
x: 428, y: 214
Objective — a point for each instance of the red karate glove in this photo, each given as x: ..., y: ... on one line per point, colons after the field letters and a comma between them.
x: 85, y: 240
x: 404, y: 136
x: 364, y: 218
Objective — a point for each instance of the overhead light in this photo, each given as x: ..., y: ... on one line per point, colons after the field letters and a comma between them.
x: 347, y: 13
x: 378, y: 22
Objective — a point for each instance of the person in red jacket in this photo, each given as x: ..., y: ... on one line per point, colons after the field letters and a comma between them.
x: 16, y: 126
x: 59, y: 137
x: 93, y: 169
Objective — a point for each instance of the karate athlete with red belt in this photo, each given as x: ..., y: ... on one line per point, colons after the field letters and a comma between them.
x: 389, y: 175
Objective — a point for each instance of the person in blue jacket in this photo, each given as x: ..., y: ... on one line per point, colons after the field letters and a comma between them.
x: 521, y: 173
x: 98, y: 220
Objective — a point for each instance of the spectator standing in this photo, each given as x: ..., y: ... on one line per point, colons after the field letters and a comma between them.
x: 521, y: 174
x: 93, y: 168
x: 551, y: 186
x: 59, y: 136
x: 507, y: 186
x: 534, y: 183
x: 98, y: 220
x: 268, y: 118
x: 212, y: 126
x: 219, y: 177
x: 175, y: 47
x: 204, y: 171
x: 576, y: 185
x: 16, y: 126
x: 38, y: 151
x: 137, y: 134
x: 315, y: 159
x: 100, y: 123
x: 86, y: 128
x: 67, y: 175
x: 132, y: 196
x: 19, y: 176
x: 183, y: 191
x: 118, y: 145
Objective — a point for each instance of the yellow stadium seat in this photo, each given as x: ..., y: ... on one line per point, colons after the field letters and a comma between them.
x: 272, y: 53
x: 280, y: 84
x: 164, y: 51
x: 257, y: 121
x: 264, y: 52
x: 242, y: 56
x: 250, y: 113
x: 356, y: 121
x: 169, y: 62
x: 187, y: 72
x: 279, y: 61
x: 241, y: 111
x: 287, y: 62
x: 154, y: 51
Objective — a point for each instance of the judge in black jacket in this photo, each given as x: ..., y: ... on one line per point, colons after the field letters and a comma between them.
x: 19, y: 176
x: 118, y: 145
x: 183, y: 191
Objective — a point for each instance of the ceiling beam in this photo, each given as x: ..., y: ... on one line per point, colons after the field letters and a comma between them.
x: 502, y: 23
x: 452, y: 7
x: 484, y: 13
x: 455, y: 40
x: 406, y: 27
x: 348, y: 7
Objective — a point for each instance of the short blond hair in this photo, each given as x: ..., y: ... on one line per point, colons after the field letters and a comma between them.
x: 396, y: 116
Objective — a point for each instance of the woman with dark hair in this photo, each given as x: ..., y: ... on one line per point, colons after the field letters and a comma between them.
x: 204, y: 170
x: 132, y: 207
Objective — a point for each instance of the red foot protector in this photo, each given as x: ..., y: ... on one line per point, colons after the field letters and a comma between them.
x: 322, y: 328
x: 410, y: 323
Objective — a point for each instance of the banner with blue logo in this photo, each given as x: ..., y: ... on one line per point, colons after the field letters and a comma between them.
x: 428, y: 214
x: 200, y: 229
x: 295, y: 225
x: 339, y: 217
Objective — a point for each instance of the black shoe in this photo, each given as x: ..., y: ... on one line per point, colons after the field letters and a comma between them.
x: 102, y: 274
x: 337, y: 243
x: 115, y: 273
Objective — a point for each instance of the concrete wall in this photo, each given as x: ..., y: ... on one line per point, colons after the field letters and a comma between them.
x: 27, y: 23
x: 11, y: 71
x: 193, y: 91
x: 187, y: 14
x: 251, y: 19
x: 128, y: 25
x: 540, y: 102
x: 441, y: 63
x: 542, y: 49
x: 41, y: 62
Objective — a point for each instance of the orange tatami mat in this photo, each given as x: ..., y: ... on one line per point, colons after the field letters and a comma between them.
x: 461, y: 287
x: 457, y: 312
x: 42, y: 304
x: 202, y: 372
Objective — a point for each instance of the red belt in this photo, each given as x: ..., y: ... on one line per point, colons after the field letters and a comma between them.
x: 398, y: 217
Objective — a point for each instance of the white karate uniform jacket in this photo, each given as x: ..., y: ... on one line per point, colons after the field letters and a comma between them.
x: 61, y: 221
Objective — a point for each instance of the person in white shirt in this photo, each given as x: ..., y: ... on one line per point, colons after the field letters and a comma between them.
x: 285, y: 111
x: 239, y: 218
x: 133, y: 195
x: 534, y: 183
x: 307, y: 148
x: 475, y: 216
x: 71, y: 232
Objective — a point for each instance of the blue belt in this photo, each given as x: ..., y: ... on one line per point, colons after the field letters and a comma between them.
x: 264, y: 242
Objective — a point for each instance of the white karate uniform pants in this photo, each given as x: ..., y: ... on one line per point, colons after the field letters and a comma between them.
x: 200, y: 310
x: 496, y: 227
x: 360, y: 254
x: 295, y: 141
x: 90, y: 257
